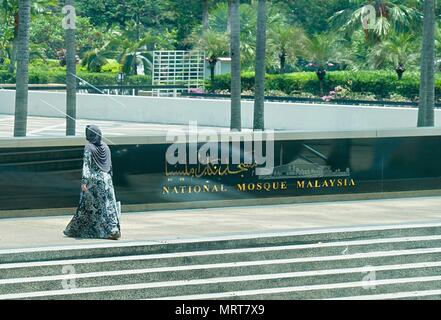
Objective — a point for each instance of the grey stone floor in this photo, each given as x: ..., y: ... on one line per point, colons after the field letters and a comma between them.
x: 56, y: 127
x: 201, y: 223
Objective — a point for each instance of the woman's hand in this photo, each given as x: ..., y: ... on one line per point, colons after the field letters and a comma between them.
x: 84, y: 187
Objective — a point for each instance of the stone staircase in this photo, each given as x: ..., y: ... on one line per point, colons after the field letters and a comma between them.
x: 377, y: 262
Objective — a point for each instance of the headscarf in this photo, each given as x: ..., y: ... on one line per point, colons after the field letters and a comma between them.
x: 99, y: 150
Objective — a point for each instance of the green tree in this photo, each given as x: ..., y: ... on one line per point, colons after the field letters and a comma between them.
x: 215, y: 45
x: 187, y: 16
x: 311, y: 15
x: 21, y: 96
x: 10, y: 8
x: 359, y: 50
x: 219, y: 21
x: 7, y: 30
x: 259, y: 94
x: 285, y: 44
x: 95, y: 59
x: 135, y: 54
x: 11, y: 14
x: 88, y: 37
x: 391, y: 15
x: 322, y: 52
x: 136, y: 16
x: 398, y: 50
x: 427, y: 87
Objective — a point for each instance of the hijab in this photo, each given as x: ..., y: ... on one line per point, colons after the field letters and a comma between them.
x: 99, y: 150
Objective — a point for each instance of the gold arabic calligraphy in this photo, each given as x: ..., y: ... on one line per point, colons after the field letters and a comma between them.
x: 208, y: 169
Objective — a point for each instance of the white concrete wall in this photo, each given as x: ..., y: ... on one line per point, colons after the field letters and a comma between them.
x: 281, y: 116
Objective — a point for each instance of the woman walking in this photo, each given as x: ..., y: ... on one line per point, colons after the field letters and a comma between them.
x: 97, y: 215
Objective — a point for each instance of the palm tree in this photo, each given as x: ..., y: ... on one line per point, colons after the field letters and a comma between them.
x: 21, y: 96
x: 259, y: 94
x: 215, y: 45
x: 427, y: 86
x: 71, y: 71
x: 5, y: 34
x: 391, y: 15
x: 96, y: 58
x: 220, y: 21
x: 324, y: 51
x: 400, y: 50
x: 136, y: 54
x: 127, y: 53
x: 236, y: 88
x: 11, y: 8
x: 286, y: 43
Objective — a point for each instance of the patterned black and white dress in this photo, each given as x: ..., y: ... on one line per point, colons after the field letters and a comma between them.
x: 97, y: 215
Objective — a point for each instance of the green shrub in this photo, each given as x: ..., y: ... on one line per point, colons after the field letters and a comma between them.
x: 381, y: 84
x: 112, y: 66
x: 6, y: 77
x: 138, y: 80
x: 59, y: 76
x: 48, y: 64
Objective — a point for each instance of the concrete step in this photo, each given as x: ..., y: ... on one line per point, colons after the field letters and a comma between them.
x: 415, y: 295
x: 277, y: 273
x: 384, y: 289
x: 231, y: 242
x: 282, y: 286
x: 313, y: 256
x: 378, y: 262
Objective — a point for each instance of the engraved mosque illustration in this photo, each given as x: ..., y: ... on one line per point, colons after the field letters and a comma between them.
x: 304, y: 167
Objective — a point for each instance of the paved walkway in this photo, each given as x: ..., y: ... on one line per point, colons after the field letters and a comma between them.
x: 190, y: 224
x: 56, y: 127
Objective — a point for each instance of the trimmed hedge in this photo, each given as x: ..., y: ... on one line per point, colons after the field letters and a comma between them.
x: 44, y: 77
x: 382, y: 84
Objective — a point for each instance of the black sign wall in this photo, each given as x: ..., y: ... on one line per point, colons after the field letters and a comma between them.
x: 49, y: 177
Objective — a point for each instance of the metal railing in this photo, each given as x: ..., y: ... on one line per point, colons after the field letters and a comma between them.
x: 312, y: 100
x: 107, y: 89
x: 184, y: 91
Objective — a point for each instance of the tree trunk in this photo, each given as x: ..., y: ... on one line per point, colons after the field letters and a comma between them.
x: 427, y: 86
x: 21, y: 94
x: 282, y: 57
x: 321, y: 74
x: 400, y: 71
x: 205, y: 15
x: 71, y: 81
x: 236, y: 88
x: 259, y: 94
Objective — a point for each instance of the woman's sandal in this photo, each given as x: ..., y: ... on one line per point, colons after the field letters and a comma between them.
x: 114, y: 236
